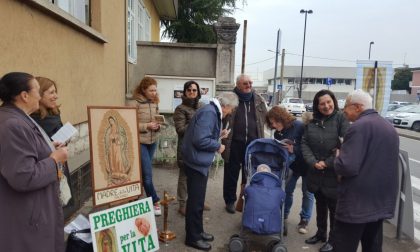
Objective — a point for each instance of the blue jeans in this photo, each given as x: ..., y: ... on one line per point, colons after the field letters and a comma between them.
x: 147, y: 152
x: 307, y: 199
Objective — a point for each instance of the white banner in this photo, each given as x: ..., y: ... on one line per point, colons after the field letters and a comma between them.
x: 126, y: 228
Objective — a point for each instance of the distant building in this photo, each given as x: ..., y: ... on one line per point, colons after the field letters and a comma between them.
x: 315, y: 78
x: 415, y: 83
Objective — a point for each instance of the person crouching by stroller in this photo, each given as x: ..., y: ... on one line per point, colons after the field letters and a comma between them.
x: 201, y: 142
x: 288, y: 128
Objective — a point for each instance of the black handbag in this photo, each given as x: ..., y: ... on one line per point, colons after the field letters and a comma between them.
x: 75, y: 244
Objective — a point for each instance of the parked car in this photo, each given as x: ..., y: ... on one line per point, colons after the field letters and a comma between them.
x: 392, y: 107
x: 409, y: 119
x: 341, y: 103
x: 294, y: 105
x: 401, y: 103
x: 309, y: 107
x: 391, y: 114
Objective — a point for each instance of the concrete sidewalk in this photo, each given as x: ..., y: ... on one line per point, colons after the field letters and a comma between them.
x: 222, y: 224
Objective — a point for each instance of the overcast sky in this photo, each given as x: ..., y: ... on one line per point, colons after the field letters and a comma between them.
x: 337, y: 29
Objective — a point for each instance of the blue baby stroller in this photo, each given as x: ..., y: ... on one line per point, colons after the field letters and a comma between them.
x: 262, y: 218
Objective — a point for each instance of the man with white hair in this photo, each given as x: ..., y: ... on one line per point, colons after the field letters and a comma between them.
x: 201, y: 142
x: 368, y: 166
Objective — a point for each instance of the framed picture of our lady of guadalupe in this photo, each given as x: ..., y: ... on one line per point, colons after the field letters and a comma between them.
x: 115, y: 154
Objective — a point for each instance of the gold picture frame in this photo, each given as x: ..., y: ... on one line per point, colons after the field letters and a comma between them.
x: 114, y: 154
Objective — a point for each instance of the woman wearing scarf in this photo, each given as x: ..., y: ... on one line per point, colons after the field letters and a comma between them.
x: 182, y: 117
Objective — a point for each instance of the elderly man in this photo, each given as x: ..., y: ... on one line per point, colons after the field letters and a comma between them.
x: 246, y: 124
x: 368, y: 166
x: 201, y: 142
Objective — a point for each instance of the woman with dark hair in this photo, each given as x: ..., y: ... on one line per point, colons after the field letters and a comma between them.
x: 146, y: 101
x: 29, y: 174
x: 319, y: 144
x: 287, y: 127
x: 182, y: 116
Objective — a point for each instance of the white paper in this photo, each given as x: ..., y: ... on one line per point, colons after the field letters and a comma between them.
x: 64, y: 134
x: 81, y: 222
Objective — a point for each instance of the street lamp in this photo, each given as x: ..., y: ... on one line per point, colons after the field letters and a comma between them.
x: 370, y: 47
x: 303, y: 50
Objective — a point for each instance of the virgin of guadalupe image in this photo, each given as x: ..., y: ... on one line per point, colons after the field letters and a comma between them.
x: 116, y: 153
x: 105, y: 241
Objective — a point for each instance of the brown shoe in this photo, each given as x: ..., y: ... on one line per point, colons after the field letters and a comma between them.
x: 181, y: 211
x: 206, y: 207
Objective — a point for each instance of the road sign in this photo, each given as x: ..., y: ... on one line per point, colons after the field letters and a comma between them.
x: 279, y: 86
x: 329, y: 81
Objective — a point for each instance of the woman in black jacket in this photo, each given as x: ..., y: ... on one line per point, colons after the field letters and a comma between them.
x: 319, y: 144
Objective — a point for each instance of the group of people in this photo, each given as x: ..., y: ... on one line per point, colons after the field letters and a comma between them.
x: 338, y: 154
x: 30, y: 164
x: 347, y: 160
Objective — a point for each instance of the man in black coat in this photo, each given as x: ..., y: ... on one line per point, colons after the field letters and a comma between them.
x: 367, y: 165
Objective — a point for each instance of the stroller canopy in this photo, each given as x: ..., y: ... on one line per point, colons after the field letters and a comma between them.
x: 265, y: 151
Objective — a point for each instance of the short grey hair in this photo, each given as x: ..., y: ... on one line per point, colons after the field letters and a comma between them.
x: 228, y: 99
x: 242, y: 76
x: 360, y: 97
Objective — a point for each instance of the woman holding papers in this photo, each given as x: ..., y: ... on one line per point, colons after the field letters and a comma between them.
x: 146, y: 101
x: 31, y: 216
x: 289, y: 131
x: 48, y: 115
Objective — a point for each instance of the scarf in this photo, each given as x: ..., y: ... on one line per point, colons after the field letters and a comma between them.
x: 245, y: 97
x: 190, y: 102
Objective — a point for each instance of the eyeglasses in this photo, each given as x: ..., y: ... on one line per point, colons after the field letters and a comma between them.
x: 192, y: 90
x: 351, y: 104
x: 247, y: 83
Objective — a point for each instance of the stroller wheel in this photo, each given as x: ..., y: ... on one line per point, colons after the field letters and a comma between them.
x: 236, y: 244
x: 278, y: 247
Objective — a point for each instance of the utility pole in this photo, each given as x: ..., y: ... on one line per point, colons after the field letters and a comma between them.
x: 275, y: 67
x: 244, y: 47
x: 281, y: 75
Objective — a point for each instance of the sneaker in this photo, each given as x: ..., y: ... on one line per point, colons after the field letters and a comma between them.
x: 303, y: 224
x: 157, y: 210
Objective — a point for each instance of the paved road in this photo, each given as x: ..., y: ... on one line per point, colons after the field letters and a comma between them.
x: 410, y: 142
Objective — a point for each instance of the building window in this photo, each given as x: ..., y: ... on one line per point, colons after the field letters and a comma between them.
x: 79, y: 9
x: 139, y: 26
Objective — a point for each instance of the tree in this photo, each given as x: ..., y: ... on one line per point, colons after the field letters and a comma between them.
x: 195, y: 20
x: 402, y: 78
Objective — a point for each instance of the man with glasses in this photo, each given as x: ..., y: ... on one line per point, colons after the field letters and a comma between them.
x: 367, y: 165
x: 246, y: 124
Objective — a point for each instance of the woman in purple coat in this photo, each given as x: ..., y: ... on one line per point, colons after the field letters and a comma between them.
x: 31, y: 216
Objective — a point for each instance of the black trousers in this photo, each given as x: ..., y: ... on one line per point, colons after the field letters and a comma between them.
x: 231, y: 171
x: 324, y: 206
x: 348, y: 235
x: 196, y: 188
